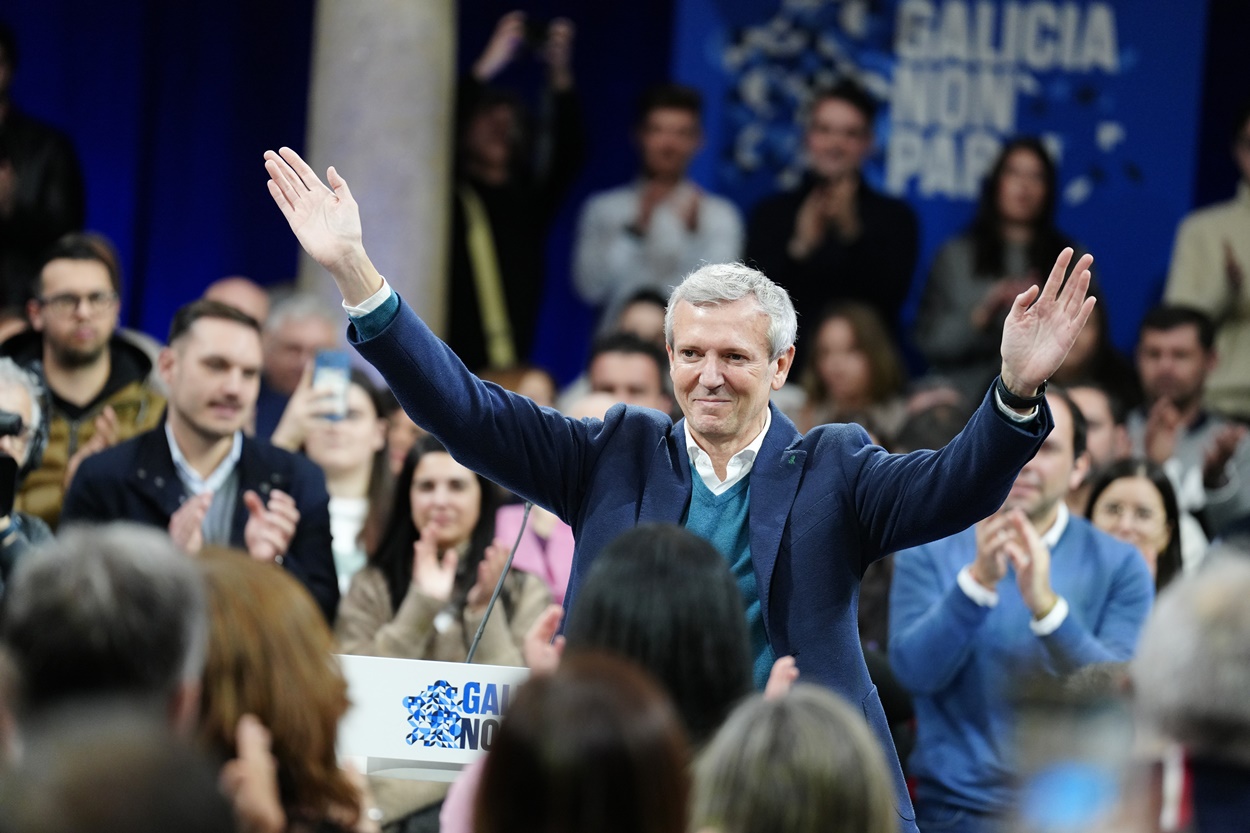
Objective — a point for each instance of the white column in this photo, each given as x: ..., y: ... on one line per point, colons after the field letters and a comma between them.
x: 380, y: 111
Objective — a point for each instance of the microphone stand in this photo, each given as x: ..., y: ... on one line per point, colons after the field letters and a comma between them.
x: 494, y: 597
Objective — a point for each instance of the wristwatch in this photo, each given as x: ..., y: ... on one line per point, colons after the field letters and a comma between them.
x: 1018, y: 402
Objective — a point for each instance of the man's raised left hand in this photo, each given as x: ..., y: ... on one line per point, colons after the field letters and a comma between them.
x: 1043, y: 325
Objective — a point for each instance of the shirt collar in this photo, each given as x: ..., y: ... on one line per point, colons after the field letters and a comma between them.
x: 190, y: 478
x: 1052, y: 536
x: 739, y: 465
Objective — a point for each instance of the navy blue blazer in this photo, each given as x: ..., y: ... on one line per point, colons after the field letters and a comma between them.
x: 822, y: 507
x: 136, y: 481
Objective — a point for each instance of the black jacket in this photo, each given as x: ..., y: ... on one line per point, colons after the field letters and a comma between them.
x: 876, y: 268
x: 137, y: 481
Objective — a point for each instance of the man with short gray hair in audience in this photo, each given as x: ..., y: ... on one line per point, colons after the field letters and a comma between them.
x: 298, y: 327
x: 114, y: 611
x: 112, y: 622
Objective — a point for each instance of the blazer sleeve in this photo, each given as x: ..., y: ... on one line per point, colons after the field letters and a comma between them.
x: 905, y: 500
x: 537, y: 453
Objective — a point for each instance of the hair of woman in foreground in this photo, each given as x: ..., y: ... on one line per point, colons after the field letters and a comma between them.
x: 802, y: 763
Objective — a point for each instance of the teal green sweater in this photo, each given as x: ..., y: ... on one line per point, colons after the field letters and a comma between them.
x: 724, y: 520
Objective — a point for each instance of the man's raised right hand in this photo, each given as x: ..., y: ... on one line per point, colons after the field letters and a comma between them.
x: 325, y: 219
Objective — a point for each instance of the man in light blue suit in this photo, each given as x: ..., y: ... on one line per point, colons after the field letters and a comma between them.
x: 798, y: 518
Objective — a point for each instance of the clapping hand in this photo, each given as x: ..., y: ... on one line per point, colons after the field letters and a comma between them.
x: 1219, y: 451
x: 542, y: 649
x: 997, y: 300
x: 433, y: 576
x: 1031, y: 559
x: 270, y: 525
x: 488, y: 573
x: 187, y: 522
x: 990, y: 564
x: 107, y: 433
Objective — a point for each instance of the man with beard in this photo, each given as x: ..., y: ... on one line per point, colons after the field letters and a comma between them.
x: 650, y: 233
x: 1206, y: 456
x: 99, y: 379
x: 199, y: 477
x: 1031, y: 591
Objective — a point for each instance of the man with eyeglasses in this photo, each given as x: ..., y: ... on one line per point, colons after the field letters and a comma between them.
x: 100, y: 379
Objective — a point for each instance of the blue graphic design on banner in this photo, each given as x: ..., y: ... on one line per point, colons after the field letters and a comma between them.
x: 434, y: 717
x: 457, y: 718
x: 1112, y: 88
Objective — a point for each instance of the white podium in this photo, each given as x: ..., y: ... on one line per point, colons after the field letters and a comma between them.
x: 422, y: 720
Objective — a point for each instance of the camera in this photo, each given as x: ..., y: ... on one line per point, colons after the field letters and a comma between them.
x: 10, y: 424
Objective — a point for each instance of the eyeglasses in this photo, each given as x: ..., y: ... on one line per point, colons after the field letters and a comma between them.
x: 67, y: 303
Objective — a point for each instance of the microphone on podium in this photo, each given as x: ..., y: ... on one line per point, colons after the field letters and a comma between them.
x: 494, y: 597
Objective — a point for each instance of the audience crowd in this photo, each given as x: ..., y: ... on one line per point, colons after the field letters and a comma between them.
x: 190, y: 532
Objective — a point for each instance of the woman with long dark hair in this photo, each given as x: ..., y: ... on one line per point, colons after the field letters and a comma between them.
x: 1009, y: 246
x: 425, y: 589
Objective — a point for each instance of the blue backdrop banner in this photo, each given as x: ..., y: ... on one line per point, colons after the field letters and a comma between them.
x: 1112, y: 88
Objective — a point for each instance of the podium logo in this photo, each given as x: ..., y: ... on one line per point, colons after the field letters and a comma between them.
x: 442, y: 718
x: 434, y: 717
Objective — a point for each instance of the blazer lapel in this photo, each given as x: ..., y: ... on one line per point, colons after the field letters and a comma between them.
x: 775, y: 479
x: 666, y: 492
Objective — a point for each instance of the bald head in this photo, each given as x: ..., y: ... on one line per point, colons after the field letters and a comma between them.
x: 241, y: 293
